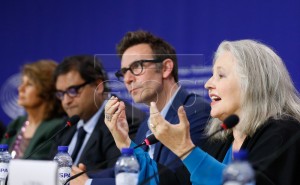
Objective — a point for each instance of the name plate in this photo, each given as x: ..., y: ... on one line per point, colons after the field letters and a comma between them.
x: 32, y: 172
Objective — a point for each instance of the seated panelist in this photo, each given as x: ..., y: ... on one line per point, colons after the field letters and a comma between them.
x: 251, y: 81
x: 44, y: 114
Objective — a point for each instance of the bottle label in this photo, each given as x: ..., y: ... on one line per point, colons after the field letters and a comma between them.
x: 64, y: 173
x: 3, y: 171
x: 126, y: 178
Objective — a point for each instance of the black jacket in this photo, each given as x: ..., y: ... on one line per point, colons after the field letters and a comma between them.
x: 274, y: 152
x: 101, y: 146
x: 171, y: 169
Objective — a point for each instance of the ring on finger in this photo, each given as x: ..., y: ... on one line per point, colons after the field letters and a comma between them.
x: 108, y: 117
x: 153, y: 126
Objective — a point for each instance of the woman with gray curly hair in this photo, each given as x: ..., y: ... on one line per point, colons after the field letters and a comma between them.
x: 251, y: 81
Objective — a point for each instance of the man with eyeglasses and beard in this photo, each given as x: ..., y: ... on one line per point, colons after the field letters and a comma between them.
x: 81, y: 86
x: 149, y: 71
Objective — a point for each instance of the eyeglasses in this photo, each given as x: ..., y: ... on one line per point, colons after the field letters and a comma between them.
x: 71, y: 91
x: 136, y: 68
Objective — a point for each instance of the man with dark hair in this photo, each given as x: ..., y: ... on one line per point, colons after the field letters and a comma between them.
x: 160, y: 48
x: 149, y: 71
x: 81, y: 85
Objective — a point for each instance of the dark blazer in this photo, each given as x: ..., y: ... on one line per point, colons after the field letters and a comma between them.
x: 198, y: 111
x: 274, y: 152
x: 46, y: 130
x: 101, y: 146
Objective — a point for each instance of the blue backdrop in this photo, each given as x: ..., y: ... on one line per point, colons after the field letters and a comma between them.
x: 32, y: 30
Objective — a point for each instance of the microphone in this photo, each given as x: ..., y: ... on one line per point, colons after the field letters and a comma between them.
x: 150, y: 140
x: 230, y: 122
x: 10, y: 133
x: 90, y: 171
x: 71, y: 122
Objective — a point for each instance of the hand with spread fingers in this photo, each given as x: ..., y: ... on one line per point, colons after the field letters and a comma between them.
x: 174, y: 136
x: 115, y: 120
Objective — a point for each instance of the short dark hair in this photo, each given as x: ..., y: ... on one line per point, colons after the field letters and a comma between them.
x: 89, y: 67
x: 160, y: 48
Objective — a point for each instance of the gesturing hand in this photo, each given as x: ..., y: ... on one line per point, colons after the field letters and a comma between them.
x: 174, y: 136
x: 115, y: 120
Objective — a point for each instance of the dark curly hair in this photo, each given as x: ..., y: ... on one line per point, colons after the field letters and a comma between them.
x: 161, y: 49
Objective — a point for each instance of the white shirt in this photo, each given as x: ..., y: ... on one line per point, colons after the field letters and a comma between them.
x: 89, y: 127
x: 164, y: 114
x: 152, y: 147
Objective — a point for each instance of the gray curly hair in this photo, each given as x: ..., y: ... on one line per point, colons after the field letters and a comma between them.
x: 266, y: 87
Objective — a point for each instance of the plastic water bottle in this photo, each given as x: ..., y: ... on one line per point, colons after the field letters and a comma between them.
x: 240, y: 171
x: 64, y: 161
x: 127, y: 168
x: 5, y: 157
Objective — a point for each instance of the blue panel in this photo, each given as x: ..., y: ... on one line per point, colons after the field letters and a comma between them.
x: 32, y: 30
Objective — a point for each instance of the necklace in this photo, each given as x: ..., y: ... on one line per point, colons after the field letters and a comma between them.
x: 17, y: 149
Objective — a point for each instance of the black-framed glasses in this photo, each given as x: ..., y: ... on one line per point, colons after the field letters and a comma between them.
x: 136, y: 68
x: 71, y: 91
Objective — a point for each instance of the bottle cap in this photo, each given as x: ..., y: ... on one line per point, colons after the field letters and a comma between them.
x: 4, y: 146
x: 128, y: 151
x: 62, y: 148
x: 240, y: 155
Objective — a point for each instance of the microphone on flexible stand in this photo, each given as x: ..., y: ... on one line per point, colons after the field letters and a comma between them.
x: 10, y: 133
x: 71, y: 122
x: 150, y: 140
x: 230, y: 122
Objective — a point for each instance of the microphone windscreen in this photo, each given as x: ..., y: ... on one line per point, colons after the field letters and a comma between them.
x: 230, y: 121
x: 73, y: 120
x: 151, y: 139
